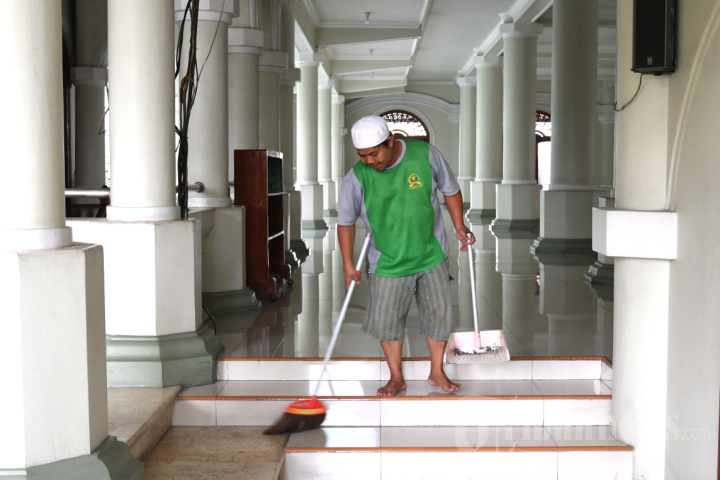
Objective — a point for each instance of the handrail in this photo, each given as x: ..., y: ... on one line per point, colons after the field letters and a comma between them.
x: 105, y: 192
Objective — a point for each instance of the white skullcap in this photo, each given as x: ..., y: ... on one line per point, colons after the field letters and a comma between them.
x: 369, y: 132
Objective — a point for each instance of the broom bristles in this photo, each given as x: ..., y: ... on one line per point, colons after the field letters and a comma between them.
x: 291, y: 423
x: 299, y: 416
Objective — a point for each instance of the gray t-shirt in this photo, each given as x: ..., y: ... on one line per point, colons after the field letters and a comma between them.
x: 351, y: 199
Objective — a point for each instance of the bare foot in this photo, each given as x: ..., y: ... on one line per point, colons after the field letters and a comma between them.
x: 441, y: 380
x: 392, y: 388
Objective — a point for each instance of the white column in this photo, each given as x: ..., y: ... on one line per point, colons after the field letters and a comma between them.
x: 271, y: 65
x: 208, y: 127
x: 605, y: 152
x: 244, y: 50
x: 466, y: 165
x: 574, y: 92
x: 142, y: 143
x: 152, y: 265
x: 325, y: 91
x: 32, y: 161
x: 566, y: 204
x: 50, y: 289
x: 518, y: 195
x: 307, y: 142
x: 295, y: 248
x: 338, y: 131
x: 488, y: 137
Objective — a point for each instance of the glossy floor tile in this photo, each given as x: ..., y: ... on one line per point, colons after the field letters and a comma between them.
x: 415, y: 388
x: 542, y: 305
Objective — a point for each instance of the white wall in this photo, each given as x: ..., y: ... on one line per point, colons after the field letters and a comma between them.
x: 694, y: 330
x: 668, y: 158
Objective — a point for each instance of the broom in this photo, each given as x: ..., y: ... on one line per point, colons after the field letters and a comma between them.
x: 309, y: 414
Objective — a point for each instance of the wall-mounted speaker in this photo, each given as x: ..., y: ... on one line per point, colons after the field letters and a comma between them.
x: 654, y: 36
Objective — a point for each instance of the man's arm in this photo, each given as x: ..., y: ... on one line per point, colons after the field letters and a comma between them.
x: 455, y: 208
x: 346, y: 239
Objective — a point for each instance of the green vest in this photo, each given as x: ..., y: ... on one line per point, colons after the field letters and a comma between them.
x: 399, y: 208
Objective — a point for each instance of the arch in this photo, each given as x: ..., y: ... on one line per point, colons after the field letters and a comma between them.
x: 404, y: 101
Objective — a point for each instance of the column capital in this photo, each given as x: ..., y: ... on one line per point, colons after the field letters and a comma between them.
x: 466, y: 81
x: 272, y: 61
x: 482, y: 61
x: 309, y: 59
x: 245, y: 40
x: 326, y: 83
x: 210, y: 10
x: 91, y: 76
x: 338, y: 99
x: 521, y: 29
x: 290, y: 76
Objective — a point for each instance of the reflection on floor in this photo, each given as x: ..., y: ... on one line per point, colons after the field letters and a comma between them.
x: 543, y: 305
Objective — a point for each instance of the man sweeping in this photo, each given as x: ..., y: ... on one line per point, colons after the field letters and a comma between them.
x: 394, y: 190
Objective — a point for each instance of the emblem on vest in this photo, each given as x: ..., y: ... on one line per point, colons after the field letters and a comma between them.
x: 414, y: 181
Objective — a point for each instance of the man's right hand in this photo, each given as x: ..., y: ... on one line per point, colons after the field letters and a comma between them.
x: 352, y: 275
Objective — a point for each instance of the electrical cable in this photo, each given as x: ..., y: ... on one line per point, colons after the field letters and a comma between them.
x: 632, y: 99
x: 187, y: 93
x: 210, y: 317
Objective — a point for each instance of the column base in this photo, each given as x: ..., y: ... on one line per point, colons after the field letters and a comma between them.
x: 605, y: 293
x: 223, y: 248
x: 476, y: 215
x: 581, y: 246
x: 517, y: 203
x: 111, y: 460
x: 152, y: 274
x: 329, y: 203
x: 483, y: 202
x: 314, y: 225
x: 600, y: 273
x: 312, y: 207
x: 503, y: 227
x: 53, y: 353
x: 222, y: 303
x: 566, y: 214
x: 188, y: 359
x: 300, y: 249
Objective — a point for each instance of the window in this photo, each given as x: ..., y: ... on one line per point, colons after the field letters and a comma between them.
x: 543, y: 132
x: 406, y: 125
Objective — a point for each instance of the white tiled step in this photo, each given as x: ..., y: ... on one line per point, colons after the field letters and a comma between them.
x: 565, y: 453
x: 413, y: 369
x: 355, y: 403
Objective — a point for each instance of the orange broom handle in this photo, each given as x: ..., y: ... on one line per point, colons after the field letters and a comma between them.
x: 343, y: 311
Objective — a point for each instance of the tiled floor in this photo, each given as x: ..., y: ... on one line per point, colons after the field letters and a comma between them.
x: 542, y: 306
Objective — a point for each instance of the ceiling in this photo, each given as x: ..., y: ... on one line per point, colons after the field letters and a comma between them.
x: 373, y: 47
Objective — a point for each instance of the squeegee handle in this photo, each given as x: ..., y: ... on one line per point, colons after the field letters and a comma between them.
x: 472, y: 284
x: 343, y: 311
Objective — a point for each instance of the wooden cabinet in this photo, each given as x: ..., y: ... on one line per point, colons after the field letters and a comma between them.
x: 259, y: 188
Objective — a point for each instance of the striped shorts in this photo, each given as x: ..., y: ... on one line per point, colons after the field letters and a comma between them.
x: 389, y: 301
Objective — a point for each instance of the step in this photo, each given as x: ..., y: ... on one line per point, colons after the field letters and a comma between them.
x: 519, y: 368
x: 537, y: 453
x: 527, y: 418
x: 355, y: 403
